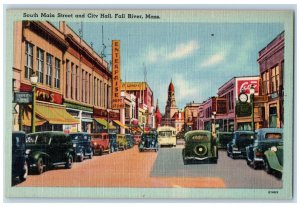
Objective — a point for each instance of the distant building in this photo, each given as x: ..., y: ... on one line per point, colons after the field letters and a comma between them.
x: 178, y: 121
x: 171, y: 107
x: 191, y: 114
x: 157, y: 116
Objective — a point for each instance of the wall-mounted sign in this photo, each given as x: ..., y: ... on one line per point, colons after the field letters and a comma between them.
x: 117, y: 102
x: 22, y: 97
x: 245, y: 84
x: 133, y: 86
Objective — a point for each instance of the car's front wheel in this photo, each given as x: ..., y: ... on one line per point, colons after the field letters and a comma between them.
x: 91, y: 155
x: 267, y: 167
x: 24, y: 175
x: 69, y: 162
x: 40, y: 166
x: 80, y: 157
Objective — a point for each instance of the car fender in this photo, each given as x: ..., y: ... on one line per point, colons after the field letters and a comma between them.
x: 70, y: 152
x: 273, y: 160
x: 37, y: 154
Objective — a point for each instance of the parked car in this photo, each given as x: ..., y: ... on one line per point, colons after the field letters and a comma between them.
x: 100, y: 143
x: 274, y: 160
x: 199, y: 146
x: 148, y: 142
x: 82, y: 145
x: 265, y: 138
x: 236, y: 148
x: 47, y: 149
x: 19, y: 158
x: 137, y: 138
x: 130, y: 140
x: 223, y: 138
x: 121, y: 142
x: 113, y: 142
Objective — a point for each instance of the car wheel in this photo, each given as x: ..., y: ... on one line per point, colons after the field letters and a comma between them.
x: 80, y: 157
x: 232, y: 156
x: 267, y: 167
x: 101, y: 151
x: 254, y: 165
x: 40, y: 166
x: 248, y: 162
x: 24, y: 175
x: 69, y: 162
x: 185, y: 162
x: 228, y: 155
x: 91, y: 155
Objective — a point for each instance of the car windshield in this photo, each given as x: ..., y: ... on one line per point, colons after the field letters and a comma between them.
x: 74, y: 137
x: 37, y: 139
x: 225, y: 136
x: 273, y: 136
x: 165, y: 133
x: 148, y: 136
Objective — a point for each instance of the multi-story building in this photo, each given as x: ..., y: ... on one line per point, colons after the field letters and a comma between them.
x: 271, y: 67
x: 191, y: 114
x: 144, y: 101
x: 73, y: 82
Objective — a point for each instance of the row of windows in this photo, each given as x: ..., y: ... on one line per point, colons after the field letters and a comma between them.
x: 271, y: 80
x: 40, y: 65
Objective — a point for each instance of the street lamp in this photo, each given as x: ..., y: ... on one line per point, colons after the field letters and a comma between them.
x: 107, y: 125
x: 213, y: 128
x: 33, y: 80
x: 252, y: 91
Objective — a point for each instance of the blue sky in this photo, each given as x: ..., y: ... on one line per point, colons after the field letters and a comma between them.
x: 197, y: 61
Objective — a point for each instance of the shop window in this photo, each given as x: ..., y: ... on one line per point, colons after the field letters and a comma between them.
x: 273, y: 117
x: 275, y: 79
x: 265, y: 83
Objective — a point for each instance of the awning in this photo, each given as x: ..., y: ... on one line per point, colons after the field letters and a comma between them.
x: 55, y: 114
x: 104, y: 123
x: 51, y: 113
x: 26, y: 119
x: 120, y: 124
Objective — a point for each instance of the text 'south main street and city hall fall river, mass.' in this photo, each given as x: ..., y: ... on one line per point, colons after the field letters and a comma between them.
x: 92, y: 15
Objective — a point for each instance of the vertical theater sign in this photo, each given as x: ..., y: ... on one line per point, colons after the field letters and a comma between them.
x: 117, y: 102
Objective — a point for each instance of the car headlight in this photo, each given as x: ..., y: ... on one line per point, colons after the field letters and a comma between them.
x: 27, y: 152
x: 143, y: 142
x: 274, y: 149
x: 74, y: 145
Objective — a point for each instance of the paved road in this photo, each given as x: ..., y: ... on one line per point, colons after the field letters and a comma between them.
x: 234, y: 173
x: 131, y: 168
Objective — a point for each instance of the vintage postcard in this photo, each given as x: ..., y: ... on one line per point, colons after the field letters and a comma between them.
x: 149, y: 103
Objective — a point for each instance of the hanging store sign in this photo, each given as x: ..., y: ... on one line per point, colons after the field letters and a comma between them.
x: 245, y: 85
x: 117, y: 102
x: 23, y: 97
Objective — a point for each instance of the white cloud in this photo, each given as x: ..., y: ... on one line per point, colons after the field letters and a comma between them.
x: 183, y: 88
x: 213, y: 60
x: 180, y: 51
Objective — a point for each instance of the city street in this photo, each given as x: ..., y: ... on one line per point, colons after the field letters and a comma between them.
x: 131, y: 168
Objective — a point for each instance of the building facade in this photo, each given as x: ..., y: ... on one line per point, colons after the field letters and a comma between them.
x: 74, y: 83
x: 271, y: 68
x: 191, y: 115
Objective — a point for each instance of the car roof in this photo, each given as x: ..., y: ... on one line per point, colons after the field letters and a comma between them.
x: 244, y: 132
x: 18, y: 132
x: 268, y: 130
x: 48, y: 132
x: 83, y: 133
x: 195, y: 132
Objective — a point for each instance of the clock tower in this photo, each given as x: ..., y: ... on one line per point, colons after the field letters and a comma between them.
x: 171, y: 103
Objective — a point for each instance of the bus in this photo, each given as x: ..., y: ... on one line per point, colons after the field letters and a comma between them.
x: 166, y: 136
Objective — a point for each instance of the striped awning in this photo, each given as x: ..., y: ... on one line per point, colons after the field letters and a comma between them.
x: 120, y: 124
x: 104, y: 123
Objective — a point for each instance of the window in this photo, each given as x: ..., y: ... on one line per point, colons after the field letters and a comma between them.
x: 29, y: 60
x: 275, y: 79
x: 77, y: 83
x: 83, y: 86
x: 95, y: 92
x: 265, y: 82
x: 72, y: 80
x: 57, y: 73
x: 67, y: 77
x: 49, y: 69
x: 40, y: 65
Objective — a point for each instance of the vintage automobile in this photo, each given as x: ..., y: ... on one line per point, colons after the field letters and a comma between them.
x: 264, y: 139
x: 223, y: 138
x: 148, y: 142
x: 166, y: 136
x: 113, y: 142
x: 236, y: 148
x: 137, y: 138
x: 130, y: 140
x: 122, y: 142
x: 47, y: 149
x: 82, y: 145
x: 100, y: 143
x: 199, y: 147
x: 273, y: 160
x: 19, y: 158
